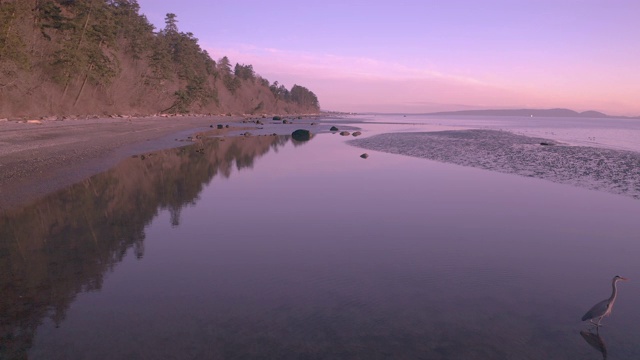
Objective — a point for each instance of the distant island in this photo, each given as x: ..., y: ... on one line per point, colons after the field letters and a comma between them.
x: 532, y: 113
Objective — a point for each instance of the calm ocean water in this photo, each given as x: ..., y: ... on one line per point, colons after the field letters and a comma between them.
x: 266, y: 248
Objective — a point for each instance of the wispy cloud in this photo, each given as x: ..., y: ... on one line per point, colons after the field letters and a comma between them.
x: 270, y: 60
x: 351, y: 83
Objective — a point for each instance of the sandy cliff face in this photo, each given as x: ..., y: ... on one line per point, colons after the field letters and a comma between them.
x: 28, y: 93
x: 90, y: 57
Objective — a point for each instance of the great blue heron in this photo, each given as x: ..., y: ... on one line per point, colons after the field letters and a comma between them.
x: 603, y: 308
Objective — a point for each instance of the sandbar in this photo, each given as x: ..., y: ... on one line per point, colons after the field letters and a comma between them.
x: 608, y: 170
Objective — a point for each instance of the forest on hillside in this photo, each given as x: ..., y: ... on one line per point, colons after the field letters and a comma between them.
x: 101, y: 57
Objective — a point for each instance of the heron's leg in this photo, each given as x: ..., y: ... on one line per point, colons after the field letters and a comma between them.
x: 596, y: 324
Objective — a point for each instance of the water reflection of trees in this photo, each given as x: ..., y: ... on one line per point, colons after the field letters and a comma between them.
x: 64, y: 244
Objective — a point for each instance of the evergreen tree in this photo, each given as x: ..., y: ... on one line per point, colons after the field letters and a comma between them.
x: 244, y: 72
x: 230, y: 80
x: 171, y: 24
x: 304, y: 97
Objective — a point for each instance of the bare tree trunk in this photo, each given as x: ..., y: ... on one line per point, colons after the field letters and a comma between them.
x: 6, y: 34
x: 84, y: 28
x: 84, y: 83
x: 66, y: 87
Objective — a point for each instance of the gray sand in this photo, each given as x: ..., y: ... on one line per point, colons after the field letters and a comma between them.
x: 38, y: 158
x: 614, y: 171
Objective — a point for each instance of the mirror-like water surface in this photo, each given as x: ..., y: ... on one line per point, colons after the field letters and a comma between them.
x: 265, y: 248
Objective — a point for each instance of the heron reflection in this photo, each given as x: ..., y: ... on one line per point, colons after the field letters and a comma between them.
x: 603, y: 308
x: 595, y: 340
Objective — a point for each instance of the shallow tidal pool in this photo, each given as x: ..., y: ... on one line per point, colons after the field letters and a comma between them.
x: 267, y: 248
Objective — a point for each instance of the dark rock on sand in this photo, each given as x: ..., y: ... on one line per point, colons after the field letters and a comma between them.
x: 345, y: 133
x: 333, y: 128
x: 301, y: 135
x: 364, y: 156
x: 357, y: 133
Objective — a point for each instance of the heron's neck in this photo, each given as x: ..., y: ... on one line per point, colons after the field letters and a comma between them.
x: 614, y: 292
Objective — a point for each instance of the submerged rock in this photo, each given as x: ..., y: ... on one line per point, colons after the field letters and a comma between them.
x: 345, y: 133
x: 357, y: 133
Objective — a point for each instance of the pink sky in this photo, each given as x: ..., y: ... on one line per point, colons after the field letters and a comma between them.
x: 420, y: 56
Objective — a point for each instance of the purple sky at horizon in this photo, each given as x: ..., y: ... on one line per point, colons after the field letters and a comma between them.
x: 420, y: 56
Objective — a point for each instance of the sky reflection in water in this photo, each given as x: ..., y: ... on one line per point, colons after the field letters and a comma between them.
x: 310, y: 251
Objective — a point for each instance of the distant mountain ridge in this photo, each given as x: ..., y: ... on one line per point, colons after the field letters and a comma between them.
x: 532, y: 112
